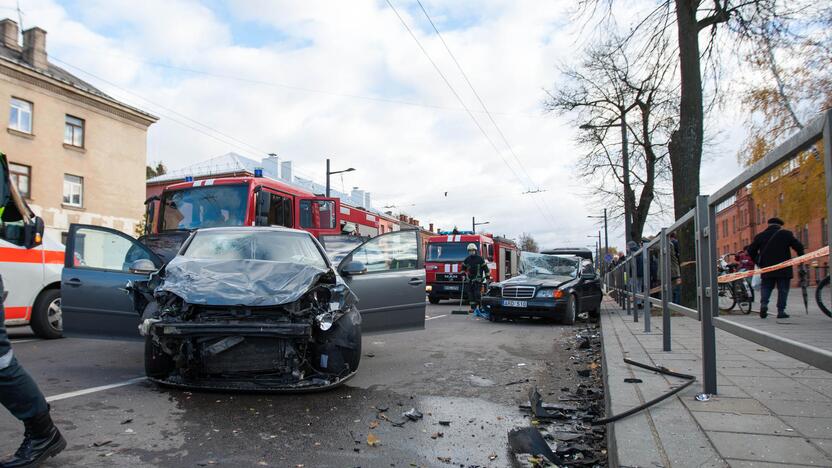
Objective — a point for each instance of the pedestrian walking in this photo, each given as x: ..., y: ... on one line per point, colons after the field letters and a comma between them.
x: 18, y: 392
x: 770, y: 247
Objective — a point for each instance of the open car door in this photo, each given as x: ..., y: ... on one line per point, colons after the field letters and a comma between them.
x: 388, y: 276
x: 95, y: 300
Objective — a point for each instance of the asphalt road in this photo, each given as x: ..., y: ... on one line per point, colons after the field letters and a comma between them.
x: 458, y: 369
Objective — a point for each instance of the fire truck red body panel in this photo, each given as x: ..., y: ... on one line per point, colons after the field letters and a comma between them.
x: 316, y: 214
x: 444, y: 256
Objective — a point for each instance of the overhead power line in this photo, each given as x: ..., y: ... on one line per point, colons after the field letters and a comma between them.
x: 454, y: 92
x: 545, y: 206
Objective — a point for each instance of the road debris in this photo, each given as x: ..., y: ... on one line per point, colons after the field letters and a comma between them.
x: 527, y: 440
x: 413, y: 414
x: 632, y: 380
x: 562, y: 432
x: 372, y: 440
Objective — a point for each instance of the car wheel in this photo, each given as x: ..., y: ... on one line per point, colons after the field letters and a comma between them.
x: 433, y: 300
x: 569, y: 314
x: 47, y: 319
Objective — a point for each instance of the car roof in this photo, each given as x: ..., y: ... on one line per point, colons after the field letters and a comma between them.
x: 251, y: 229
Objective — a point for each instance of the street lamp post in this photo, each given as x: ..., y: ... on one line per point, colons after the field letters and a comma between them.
x: 606, y: 237
x: 474, y: 224
x: 329, y: 173
x: 625, y: 168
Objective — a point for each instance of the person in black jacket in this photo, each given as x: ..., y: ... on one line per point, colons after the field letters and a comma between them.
x: 770, y: 247
x: 476, y: 273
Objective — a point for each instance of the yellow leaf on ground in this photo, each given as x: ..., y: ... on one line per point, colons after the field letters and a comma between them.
x: 372, y: 440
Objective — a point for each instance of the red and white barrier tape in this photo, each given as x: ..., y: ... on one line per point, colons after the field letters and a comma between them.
x: 822, y: 252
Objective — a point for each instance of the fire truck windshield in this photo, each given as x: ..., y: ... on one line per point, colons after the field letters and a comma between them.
x: 201, y: 207
x: 448, y: 251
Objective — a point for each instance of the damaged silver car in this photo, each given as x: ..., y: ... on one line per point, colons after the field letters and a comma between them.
x: 242, y: 308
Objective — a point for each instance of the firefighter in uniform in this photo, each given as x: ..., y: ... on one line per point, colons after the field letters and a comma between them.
x: 476, y: 272
x: 18, y: 392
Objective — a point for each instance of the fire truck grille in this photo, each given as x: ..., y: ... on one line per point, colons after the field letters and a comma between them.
x: 518, y: 292
x: 450, y: 277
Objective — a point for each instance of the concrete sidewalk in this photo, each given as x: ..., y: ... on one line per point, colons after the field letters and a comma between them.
x: 771, y: 410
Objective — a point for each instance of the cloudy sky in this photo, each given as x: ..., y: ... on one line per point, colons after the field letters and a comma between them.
x: 344, y: 79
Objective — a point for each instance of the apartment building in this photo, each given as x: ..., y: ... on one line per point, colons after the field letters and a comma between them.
x: 76, y: 154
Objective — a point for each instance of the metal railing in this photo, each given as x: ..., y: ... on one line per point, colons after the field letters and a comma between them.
x: 628, y: 286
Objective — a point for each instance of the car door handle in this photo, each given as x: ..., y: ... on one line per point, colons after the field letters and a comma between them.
x: 415, y: 281
x: 73, y: 282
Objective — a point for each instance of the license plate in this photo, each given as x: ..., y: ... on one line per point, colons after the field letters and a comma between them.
x: 508, y: 303
x: 451, y: 288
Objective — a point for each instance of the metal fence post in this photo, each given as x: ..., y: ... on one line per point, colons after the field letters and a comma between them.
x: 706, y: 291
x: 647, y: 307
x: 667, y: 288
x: 633, y: 286
x: 827, y: 164
x: 628, y: 280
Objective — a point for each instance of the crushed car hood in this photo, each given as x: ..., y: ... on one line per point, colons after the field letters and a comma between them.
x: 238, y: 282
x: 538, y: 281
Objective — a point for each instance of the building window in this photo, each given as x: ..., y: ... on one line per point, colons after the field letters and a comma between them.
x: 20, y: 115
x: 21, y: 176
x: 74, y: 131
x: 806, y: 235
x: 824, y: 231
x: 73, y: 190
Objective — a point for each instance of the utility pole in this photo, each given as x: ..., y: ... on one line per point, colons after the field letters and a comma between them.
x: 329, y: 173
x: 474, y: 224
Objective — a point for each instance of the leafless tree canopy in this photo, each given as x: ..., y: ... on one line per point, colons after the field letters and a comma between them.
x: 527, y: 243
x: 610, y: 81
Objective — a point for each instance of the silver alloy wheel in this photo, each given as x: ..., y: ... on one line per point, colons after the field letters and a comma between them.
x: 54, y: 315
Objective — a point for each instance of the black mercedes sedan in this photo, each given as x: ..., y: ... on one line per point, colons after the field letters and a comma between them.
x: 550, y: 286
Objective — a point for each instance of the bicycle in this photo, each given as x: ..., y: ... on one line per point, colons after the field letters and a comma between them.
x: 735, y: 293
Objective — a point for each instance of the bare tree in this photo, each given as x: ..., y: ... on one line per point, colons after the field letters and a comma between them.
x: 527, y: 243
x: 605, y: 85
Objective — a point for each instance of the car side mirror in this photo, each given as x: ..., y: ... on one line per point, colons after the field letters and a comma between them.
x: 33, y: 233
x: 353, y: 268
x: 142, y: 266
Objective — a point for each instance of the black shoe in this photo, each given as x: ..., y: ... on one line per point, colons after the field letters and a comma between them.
x: 763, y: 312
x: 783, y: 315
x: 41, y: 440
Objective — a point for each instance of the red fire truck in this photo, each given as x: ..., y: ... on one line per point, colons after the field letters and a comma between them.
x: 445, y: 253
x: 250, y: 201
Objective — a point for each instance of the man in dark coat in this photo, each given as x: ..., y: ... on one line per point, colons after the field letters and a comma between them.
x: 770, y: 247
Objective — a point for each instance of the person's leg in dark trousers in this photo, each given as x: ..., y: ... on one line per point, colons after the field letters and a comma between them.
x: 21, y: 396
x: 783, y: 285
x: 766, y: 286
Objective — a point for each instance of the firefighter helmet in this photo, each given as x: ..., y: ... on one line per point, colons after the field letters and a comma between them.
x: 348, y: 228
x: 472, y: 246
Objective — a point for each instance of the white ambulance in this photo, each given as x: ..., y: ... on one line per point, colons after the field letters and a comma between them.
x: 29, y: 265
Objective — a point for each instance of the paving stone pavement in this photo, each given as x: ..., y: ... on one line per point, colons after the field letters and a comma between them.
x: 771, y: 410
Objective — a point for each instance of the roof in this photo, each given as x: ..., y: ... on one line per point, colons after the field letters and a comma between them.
x: 224, y: 164
x: 57, y: 73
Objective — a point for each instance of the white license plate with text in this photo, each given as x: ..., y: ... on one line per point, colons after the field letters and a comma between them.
x: 509, y: 303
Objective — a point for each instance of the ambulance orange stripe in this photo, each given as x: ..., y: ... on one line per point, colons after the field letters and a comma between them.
x: 9, y: 254
x: 13, y: 313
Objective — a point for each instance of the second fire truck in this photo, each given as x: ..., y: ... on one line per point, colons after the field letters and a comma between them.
x: 444, y: 256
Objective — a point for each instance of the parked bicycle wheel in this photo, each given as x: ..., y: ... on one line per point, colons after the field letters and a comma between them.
x: 726, y: 297
x: 744, y: 296
x: 822, y: 296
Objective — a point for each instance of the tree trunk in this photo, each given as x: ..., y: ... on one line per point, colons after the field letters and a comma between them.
x: 686, y: 143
